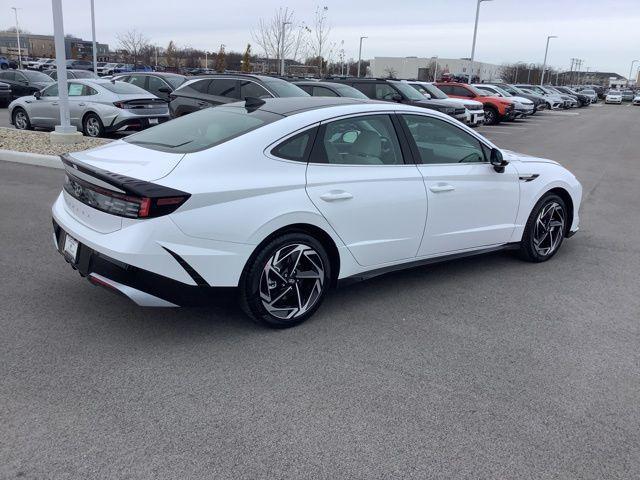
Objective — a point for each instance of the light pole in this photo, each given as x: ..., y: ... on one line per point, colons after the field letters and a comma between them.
x: 15, y: 11
x: 628, y: 79
x: 475, y: 33
x: 516, y: 75
x: 93, y: 36
x: 544, y: 64
x: 360, y: 55
x: 284, y: 24
x: 435, y: 70
x: 65, y: 132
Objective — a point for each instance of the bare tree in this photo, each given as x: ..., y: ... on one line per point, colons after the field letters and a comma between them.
x: 280, y: 36
x: 132, y: 43
x: 320, y: 34
x: 390, y: 72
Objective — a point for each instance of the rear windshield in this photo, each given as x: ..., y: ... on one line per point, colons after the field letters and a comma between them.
x: 121, y: 87
x: 202, y: 129
x: 284, y: 89
x: 34, y: 76
x: 347, y: 91
x: 174, y: 80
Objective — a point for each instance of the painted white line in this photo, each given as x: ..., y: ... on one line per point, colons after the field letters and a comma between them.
x: 505, y: 126
x: 497, y: 131
x: 50, y: 161
x: 562, y: 114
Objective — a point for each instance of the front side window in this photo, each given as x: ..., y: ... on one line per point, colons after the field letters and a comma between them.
x: 51, y: 91
x: 365, y: 140
x: 7, y: 76
x: 155, y: 84
x: 384, y: 91
x: 138, y: 80
x: 323, y: 92
x: 462, y: 92
x: 252, y: 89
x: 441, y: 142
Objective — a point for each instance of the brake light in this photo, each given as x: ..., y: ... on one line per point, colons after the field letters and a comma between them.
x: 119, y: 204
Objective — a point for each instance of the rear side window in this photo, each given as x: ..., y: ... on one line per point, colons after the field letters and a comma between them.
x: 252, y: 89
x: 201, y: 130
x: 122, y: 87
x: 367, y: 89
x: 323, y: 92
x: 297, y: 147
x: 223, y: 88
x: 201, y: 86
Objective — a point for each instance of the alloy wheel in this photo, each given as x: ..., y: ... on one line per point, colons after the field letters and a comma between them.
x: 21, y: 121
x: 93, y: 127
x: 292, y: 281
x: 549, y: 229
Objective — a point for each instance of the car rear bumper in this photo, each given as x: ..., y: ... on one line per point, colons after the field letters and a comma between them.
x: 475, y: 118
x: 136, y: 122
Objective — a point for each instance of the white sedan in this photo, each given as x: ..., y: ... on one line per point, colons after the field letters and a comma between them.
x: 281, y: 199
x: 636, y: 99
x: 613, y: 96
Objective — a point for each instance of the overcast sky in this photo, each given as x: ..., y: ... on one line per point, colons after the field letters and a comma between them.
x: 606, y: 34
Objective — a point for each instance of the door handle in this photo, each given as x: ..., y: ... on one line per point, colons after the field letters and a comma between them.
x: 54, y: 103
x: 334, y: 195
x: 442, y: 187
x: 81, y: 104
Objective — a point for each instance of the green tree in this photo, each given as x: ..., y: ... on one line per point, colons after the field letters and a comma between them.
x: 221, y: 60
x: 246, y: 59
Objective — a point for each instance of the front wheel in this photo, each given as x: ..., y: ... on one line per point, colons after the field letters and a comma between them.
x: 92, y: 126
x: 21, y: 119
x: 545, y: 229
x: 285, y: 281
x: 491, y: 116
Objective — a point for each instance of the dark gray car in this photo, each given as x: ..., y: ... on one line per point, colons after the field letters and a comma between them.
x: 159, y: 83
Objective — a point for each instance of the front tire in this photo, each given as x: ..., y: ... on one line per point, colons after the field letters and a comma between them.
x: 545, y: 229
x: 21, y: 119
x: 491, y: 116
x: 285, y: 281
x: 92, y: 126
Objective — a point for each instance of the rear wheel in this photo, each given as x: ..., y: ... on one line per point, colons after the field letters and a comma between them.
x: 491, y: 116
x: 285, y: 281
x: 21, y: 119
x: 545, y: 229
x: 92, y: 126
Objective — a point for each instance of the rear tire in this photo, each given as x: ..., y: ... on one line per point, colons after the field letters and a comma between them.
x: 285, y: 281
x: 92, y: 126
x: 21, y: 119
x: 545, y: 229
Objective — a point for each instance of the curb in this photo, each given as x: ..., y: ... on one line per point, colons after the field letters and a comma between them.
x: 50, y: 161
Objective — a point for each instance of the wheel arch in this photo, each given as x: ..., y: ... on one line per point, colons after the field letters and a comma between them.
x: 566, y: 197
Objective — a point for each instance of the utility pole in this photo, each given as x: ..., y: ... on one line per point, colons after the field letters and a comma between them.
x: 435, y: 70
x: 475, y: 34
x: 15, y: 11
x: 628, y: 79
x: 544, y: 64
x: 93, y: 36
x: 516, y: 75
x: 360, y: 55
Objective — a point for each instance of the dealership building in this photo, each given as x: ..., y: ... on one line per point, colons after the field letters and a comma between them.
x: 419, y: 67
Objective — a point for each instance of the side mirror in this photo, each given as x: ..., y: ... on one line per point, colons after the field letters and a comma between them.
x: 37, y: 94
x: 164, y: 90
x: 497, y: 160
x: 396, y: 97
x: 427, y: 96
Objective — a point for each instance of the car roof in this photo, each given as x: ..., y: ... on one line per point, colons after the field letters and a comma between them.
x: 263, y: 78
x: 287, y: 106
x: 318, y: 83
x: 157, y: 74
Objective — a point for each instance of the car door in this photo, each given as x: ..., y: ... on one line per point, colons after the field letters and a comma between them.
x: 364, y: 183
x: 77, y: 102
x: 470, y: 204
x: 44, y: 111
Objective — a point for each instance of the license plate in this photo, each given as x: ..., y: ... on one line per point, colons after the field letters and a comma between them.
x: 70, y: 247
x: 153, y: 121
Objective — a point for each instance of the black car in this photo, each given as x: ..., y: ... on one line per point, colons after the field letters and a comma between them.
x: 401, y: 92
x: 328, y: 89
x: 160, y: 84
x: 71, y: 74
x: 5, y: 94
x: 212, y: 90
x: 583, y: 100
x: 24, y: 82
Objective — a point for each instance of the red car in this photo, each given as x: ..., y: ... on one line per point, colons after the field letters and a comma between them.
x: 496, y: 109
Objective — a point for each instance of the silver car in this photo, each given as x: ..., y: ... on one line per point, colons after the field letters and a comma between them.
x: 96, y: 106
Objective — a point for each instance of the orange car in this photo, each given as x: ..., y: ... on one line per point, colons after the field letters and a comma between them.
x: 496, y: 109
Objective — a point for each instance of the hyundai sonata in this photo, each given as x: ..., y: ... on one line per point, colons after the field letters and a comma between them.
x: 281, y: 199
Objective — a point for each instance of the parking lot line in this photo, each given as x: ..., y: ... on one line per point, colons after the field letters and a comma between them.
x: 562, y: 114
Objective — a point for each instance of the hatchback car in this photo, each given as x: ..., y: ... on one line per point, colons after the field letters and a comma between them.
x: 24, y: 82
x: 159, y: 84
x: 213, y: 90
x: 281, y: 199
x: 96, y: 107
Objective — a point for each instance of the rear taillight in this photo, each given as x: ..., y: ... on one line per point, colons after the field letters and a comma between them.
x: 120, y: 204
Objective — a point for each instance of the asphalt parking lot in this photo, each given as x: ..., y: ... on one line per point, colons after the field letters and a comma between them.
x: 484, y: 368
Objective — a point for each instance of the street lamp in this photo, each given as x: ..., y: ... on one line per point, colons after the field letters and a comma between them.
x: 544, y: 64
x: 360, y: 55
x: 630, y: 69
x: 65, y: 132
x: 475, y: 33
x: 93, y: 36
x: 435, y: 70
x: 15, y: 11
x: 284, y: 24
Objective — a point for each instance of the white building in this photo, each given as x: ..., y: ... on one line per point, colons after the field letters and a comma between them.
x: 408, y: 67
